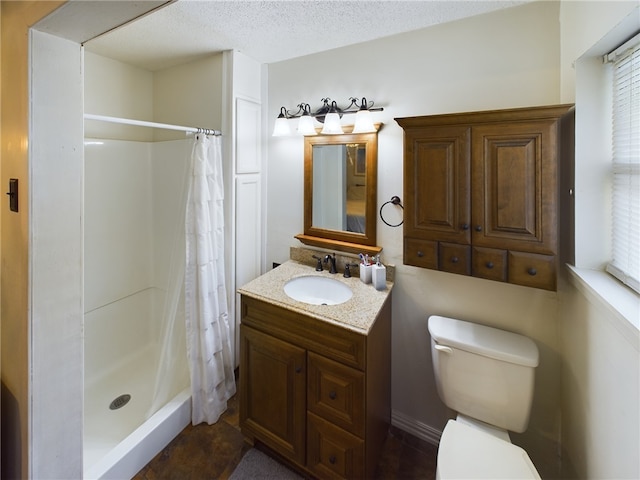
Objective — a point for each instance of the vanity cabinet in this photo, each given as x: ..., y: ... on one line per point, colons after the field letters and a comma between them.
x: 316, y: 393
x: 481, y: 193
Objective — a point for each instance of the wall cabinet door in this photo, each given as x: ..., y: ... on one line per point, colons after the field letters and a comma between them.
x: 436, y: 184
x: 273, y: 400
x: 513, y: 185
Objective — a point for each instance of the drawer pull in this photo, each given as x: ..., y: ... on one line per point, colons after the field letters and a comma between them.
x: 489, y: 264
x: 332, y: 395
x: 420, y: 254
x: 478, y: 228
x: 454, y: 260
x: 532, y: 271
x: 332, y: 459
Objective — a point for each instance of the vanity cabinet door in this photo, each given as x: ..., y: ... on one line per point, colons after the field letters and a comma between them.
x: 273, y: 392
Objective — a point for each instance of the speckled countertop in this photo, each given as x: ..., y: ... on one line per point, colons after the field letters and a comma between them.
x: 357, y: 313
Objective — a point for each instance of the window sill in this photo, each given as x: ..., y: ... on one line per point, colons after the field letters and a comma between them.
x: 603, y: 290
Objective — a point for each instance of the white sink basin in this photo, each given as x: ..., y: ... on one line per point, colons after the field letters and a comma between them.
x: 317, y: 290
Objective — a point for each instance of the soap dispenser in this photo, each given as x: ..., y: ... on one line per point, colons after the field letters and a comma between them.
x: 379, y: 275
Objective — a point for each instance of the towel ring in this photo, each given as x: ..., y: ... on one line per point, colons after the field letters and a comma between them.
x: 396, y: 201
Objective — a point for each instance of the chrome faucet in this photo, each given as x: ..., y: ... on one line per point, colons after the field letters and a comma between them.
x: 332, y: 259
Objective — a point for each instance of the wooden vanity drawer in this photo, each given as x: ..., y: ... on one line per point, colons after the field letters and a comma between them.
x: 333, y: 452
x: 532, y: 270
x: 421, y: 253
x: 333, y: 341
x: 489, y: 263
x: 454, y: 258
x: 336, y: 393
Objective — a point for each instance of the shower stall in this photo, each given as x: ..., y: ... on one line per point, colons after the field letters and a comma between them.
x: 132, y: 217
x: 134, y: 178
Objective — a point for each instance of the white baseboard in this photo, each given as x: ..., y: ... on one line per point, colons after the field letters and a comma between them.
x: 415, y: 428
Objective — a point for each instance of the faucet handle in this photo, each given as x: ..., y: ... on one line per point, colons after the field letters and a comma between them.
x: 347, y: 270
x: 319, y: 265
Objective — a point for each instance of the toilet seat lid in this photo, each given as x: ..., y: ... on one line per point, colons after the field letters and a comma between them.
x: 466, y: 452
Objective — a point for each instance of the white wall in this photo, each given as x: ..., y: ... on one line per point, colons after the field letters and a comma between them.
x: 55, y: 269
x: 116, y: 89
x: 504, y: 59
x: 189, y: 94
x: 600, y: 348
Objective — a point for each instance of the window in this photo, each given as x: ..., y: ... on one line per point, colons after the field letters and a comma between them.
x: 625, y: 262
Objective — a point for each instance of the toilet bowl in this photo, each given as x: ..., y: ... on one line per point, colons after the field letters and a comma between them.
x: 466, y: 452
x: 487, y: 376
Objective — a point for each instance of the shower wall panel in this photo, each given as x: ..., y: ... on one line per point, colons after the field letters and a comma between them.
x: 118, y: 259
x: 118, y: 247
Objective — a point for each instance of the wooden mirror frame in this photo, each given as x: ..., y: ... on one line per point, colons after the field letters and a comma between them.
x: 339, y: 239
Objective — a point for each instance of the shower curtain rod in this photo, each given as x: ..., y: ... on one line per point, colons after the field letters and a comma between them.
x: 140, y: 123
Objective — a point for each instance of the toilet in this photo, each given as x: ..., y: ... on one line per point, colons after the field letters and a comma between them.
x: 487, y: 376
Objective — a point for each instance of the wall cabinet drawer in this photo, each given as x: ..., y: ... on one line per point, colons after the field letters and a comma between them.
x: 489, y: 263
x: 532, y: 270
x: 455, y: 258
x: 421, y: 253
x: 336, y: 393
x: 333, y: 452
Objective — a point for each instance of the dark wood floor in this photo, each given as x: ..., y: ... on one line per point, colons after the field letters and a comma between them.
x: 214, y: 451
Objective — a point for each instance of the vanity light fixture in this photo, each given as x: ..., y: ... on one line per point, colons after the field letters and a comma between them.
x: 305, y: 124
x: 329, y: 114
x: 332, y: 124
x: 282, y: 128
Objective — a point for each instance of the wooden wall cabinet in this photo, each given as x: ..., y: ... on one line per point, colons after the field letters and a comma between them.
x: 317, y: 394
x: 481, y: 192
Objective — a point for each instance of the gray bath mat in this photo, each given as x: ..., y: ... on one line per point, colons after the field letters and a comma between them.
x: 256, y: 464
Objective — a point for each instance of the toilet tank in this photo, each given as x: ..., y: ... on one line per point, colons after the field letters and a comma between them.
x: 484, y: 372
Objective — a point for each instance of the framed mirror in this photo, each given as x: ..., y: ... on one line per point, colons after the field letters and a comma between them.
x: 340, y: 192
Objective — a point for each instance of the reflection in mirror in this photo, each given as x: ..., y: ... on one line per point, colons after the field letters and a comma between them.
x: 340, y: 192
x: 339, y: 187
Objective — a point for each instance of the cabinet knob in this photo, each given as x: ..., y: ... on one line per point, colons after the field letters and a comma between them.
x: 455, y: 259
x: 532, y: 271
x: 332, y: 459
x: 465, y: 226
x: 298, y: 369
x: 332, y: 395
x: 420, y: 253
x: 478, y: 228
x: 489, y: 264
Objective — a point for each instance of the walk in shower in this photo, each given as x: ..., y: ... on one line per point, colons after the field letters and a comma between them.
x: 132, y: 214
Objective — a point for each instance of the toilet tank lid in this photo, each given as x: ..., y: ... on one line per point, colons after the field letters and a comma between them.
x: 483, y: 340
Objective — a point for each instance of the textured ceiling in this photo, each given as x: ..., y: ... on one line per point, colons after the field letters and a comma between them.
x: 272, y: 31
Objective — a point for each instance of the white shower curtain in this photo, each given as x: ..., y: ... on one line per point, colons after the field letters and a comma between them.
x: 206, y: 314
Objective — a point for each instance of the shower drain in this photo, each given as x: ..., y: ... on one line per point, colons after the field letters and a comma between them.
x: 120, y: 401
